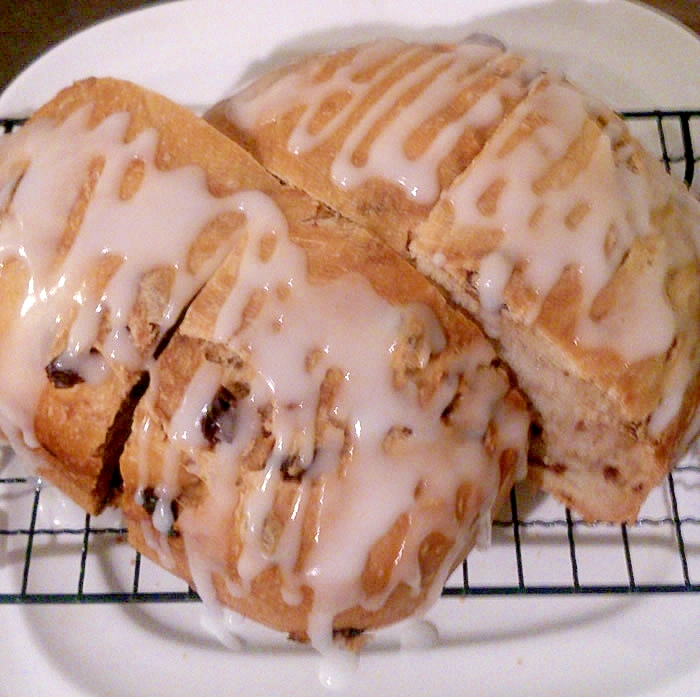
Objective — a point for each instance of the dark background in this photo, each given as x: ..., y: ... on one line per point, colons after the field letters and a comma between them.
x: 29, y: 27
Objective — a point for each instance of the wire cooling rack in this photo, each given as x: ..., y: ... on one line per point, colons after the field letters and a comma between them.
x: 52, y: 552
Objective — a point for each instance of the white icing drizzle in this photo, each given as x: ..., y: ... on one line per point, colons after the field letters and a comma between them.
x: 446, y: 74
x: 221, y: 626
x: 186, y: 422
x: 43, y: 167
x: 671, y: 401
x: 349, y: 326
x: 354, y: 330
x: 337, y: 669
x: 159, y: 544
x: 495, y: 270
x: 588, y: 224
x: 612, y: 195
x: 417, y: 633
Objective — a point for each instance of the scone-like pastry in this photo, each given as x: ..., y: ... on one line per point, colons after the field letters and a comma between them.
x: 378, y: 130
x: 324, y: 437
x: 536, y: 210
x: 114, y: 210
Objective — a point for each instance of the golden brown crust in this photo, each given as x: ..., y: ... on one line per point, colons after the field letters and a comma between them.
x: 382, y: 205
x: 183, y: 138
x: 73, y: 425
x: 377, y: 204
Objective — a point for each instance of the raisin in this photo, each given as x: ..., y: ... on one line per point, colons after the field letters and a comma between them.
x: 451, y: 407
x: 292, y: 468
x: 61, y: 376
x: 149, y: 500
x: 175, y: 508
x: 219, y: 420
x: 611, y: 473
x: 347, y: 633
x: 536, y: 430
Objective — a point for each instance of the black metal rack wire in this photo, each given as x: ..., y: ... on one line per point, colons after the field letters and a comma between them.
x: 536, y: 549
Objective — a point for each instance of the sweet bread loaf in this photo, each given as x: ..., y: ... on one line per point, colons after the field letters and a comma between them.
x: 535, y: 209
x: 101, y: 252
x: 324, y: 437
x: 291, y: 416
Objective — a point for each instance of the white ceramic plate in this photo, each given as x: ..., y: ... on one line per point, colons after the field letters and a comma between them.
x: 195, y: 52
x: 641, y: 645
